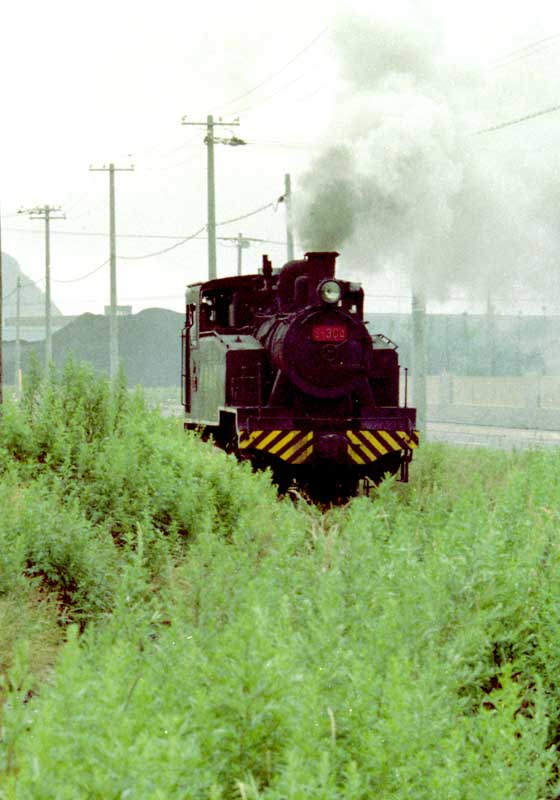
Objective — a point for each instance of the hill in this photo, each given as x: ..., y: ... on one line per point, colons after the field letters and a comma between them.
x: 32, y: 298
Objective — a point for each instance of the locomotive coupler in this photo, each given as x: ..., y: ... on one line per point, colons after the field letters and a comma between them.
x: 331, y: 447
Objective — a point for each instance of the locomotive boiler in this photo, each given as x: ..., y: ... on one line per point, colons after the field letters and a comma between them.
x: 280, y: 368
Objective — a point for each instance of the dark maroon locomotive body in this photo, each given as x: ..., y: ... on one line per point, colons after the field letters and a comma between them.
x: 279, y: 367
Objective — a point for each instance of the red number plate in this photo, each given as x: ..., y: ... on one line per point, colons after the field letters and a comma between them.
x: 329, y: 333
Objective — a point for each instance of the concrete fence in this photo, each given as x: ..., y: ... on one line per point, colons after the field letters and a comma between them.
x: 530, y: 401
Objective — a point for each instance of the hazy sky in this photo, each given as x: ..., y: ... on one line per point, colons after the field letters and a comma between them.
x: 86, y: 83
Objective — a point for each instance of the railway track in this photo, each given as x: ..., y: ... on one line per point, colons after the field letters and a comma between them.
x: 492, y: 437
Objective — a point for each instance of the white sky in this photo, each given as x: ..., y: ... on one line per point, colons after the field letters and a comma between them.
x: 87, y: 82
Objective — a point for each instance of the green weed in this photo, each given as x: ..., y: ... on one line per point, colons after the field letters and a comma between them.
x: 231, y: 645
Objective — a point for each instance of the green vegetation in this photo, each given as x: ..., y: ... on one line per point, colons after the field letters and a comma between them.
x: 169, y: 629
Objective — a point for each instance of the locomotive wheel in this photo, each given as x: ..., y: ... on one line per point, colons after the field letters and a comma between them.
x: 326, y: 487
x: 283, y: 477
x: 387, y: 465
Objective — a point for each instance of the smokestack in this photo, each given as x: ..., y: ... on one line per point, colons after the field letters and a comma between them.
x: 321, y: 267
x: 419, y: 360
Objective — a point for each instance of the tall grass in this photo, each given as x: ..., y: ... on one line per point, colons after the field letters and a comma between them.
x: 229, y: 645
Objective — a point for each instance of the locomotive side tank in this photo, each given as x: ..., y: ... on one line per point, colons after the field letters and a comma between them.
x: 280, y: 368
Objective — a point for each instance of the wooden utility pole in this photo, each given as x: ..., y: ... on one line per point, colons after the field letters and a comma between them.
x: 210, y: 140
x: 113, y: 321
x: 1, y: 316
x: 490, y: 334
x: 241, y: 245
x: 419, y: 359
x: 17, y: 360
x: 289, y: 219
x: 46, y: 213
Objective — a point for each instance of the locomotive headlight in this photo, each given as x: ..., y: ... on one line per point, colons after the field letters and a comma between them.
x: 330, y: 291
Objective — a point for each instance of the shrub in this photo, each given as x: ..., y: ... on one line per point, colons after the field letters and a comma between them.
x: 402, y: 646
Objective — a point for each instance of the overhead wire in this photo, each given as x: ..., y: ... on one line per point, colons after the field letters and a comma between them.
x: 97, y: 233
x: 534, y: 48
x: 194, y: 235
x: 172, y: 166
x: 77, y: 202
x: 246, y: 216
x: 277, y: 72
x: 129, y: 235
x: 167, y: 249
x: 82, y: 277
x: 270, y: 97
x: 11, y: 216
x: 288, y: 145
x: 527, y: 117
x: 21, y: 286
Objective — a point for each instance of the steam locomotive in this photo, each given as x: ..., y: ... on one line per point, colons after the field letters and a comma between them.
x: 279, y: 368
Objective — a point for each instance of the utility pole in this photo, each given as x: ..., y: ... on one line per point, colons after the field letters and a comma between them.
x: 17, y: 360
x: 490, y: 334
x: 242, y: 244
x: 289, y: 219
x: 419, y: 358
x: 46, y: 213
x: 286, y: 198
x: 1, y: 316
x: 113, y: 321
x: 210, y: 140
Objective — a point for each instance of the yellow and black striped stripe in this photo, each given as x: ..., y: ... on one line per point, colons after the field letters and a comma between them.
x: 295, y: 447
x: 365, y: 446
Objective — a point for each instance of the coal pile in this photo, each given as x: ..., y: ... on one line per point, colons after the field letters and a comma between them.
x: 149, y: 346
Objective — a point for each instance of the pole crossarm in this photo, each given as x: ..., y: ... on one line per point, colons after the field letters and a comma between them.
x: 111, y: 168
x: 225, y: 123
x: 46, y: 213
x: 42, y: 212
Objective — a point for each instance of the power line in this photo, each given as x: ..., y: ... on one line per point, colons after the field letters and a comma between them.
x: 534, y: 48
x: 270, y: 97
x: 520, y: 119
x: 11, y: 216
x: 245, y: 216
x: 83, y: 277
x: 77, y: 202
x: 23, y: 286
x: 174, y: 166
x: 294, y: 145
x: 100, y: 234
x: 194, y: 235
x: 167, y: 249
x: 277, y: 72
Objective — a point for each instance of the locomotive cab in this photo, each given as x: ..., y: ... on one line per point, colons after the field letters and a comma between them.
x: 279, y: 367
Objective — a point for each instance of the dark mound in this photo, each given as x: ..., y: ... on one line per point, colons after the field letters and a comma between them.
x: 149, y: 346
